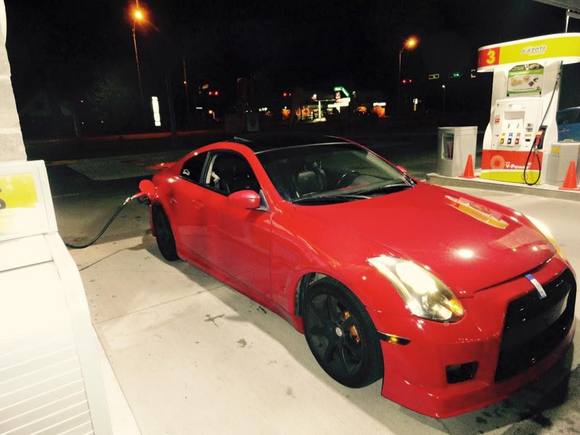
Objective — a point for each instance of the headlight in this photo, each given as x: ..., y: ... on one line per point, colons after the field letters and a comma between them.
x: 543, y: 228
x: 424, y: 295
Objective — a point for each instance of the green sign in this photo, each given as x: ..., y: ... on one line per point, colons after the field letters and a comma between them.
x: 341, y: 89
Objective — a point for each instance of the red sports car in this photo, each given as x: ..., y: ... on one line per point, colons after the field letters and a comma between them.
x: 454, y: 301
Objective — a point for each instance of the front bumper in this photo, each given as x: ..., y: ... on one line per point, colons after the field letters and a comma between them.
x: 415, y: 373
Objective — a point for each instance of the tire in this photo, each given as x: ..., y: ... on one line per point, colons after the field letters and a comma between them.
x: 341, y: 335
x: 164, y: 234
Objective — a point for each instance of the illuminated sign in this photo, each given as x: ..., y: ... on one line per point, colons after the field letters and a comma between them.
x: 25, y: 201
x: 156, y: 114
x: 18, y: 191
x: 560, y: 46
x: 341, y: 89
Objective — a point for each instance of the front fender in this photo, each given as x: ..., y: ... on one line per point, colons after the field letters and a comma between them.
x: 375, y: 292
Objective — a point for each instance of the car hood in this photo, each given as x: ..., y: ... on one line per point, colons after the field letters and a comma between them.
x: 469, y: 243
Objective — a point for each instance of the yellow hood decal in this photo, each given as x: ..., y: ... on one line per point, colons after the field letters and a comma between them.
x: 476, y: 211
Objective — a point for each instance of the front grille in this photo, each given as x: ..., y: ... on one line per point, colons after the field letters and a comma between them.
x: 534, y: 327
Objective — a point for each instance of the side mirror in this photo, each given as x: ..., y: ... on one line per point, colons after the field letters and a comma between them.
x: 246, y: 199
x: 147, y: 187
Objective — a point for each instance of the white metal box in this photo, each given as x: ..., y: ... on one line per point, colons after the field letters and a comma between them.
x: 557, y: 162
x: 454, y: 145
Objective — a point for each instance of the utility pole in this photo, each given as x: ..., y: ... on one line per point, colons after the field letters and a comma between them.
x: 186, y: 90
x: 139, y: 16
x: 408, y: 44
x: 138, y: 64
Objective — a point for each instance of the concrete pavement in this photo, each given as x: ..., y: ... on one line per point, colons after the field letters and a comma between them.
x: 193, y: 356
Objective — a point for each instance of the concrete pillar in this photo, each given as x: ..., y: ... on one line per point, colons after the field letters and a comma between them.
x: 11, y: 143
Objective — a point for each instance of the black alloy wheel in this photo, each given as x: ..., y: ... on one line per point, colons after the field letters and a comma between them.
x: 164, y: 234
x: 341, y: 335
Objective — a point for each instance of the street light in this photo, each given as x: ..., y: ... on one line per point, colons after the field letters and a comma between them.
x: 139, y: 16
x: 408, y: 44
x: 411, y: 42
x: 444, y: 90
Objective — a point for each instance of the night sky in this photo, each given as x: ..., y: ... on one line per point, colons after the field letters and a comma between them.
x: 63, y: 46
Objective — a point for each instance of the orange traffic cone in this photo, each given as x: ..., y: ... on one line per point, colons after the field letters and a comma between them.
x: 468, y: 171
x: 570, y: 182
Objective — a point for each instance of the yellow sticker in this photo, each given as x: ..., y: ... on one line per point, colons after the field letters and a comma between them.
x: 555, y: 149
x: 18, y: 191
x: 478, y: 212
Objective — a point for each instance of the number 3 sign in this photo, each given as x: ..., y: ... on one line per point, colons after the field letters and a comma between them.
x: 488, y: 57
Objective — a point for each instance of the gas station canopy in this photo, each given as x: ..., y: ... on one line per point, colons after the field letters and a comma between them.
x: 563, y: 47
x: 572, y: 5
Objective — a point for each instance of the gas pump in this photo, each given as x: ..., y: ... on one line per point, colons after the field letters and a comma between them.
x: 524, y: 102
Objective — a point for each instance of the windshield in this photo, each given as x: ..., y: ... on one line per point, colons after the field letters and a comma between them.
x: 341, y: 171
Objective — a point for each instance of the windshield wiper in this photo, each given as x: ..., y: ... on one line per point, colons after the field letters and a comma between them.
x: 385, y: 188
x: 331, y: 198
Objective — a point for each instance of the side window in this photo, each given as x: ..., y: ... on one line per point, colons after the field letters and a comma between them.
x: 193, y: 168
x: 230, y: 172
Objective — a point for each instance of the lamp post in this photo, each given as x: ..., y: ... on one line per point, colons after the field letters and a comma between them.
x: 186, y: 90
x: 408, y: 44
x: 444, y: 89
x: 138, y: 16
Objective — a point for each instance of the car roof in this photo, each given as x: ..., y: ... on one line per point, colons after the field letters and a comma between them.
x: 262, y: 142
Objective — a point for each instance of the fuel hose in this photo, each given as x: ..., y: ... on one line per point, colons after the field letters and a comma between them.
x: 534, y: 150
x: 107, y: 224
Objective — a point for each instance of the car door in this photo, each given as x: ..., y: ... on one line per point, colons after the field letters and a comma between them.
x: 243, y: 236
x: 191, y: 211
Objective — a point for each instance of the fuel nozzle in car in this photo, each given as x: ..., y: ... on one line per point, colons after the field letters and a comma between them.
x: 539, y: 139
x: 140, y: 196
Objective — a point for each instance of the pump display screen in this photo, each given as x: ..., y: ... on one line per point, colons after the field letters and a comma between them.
x: 513, y: 125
